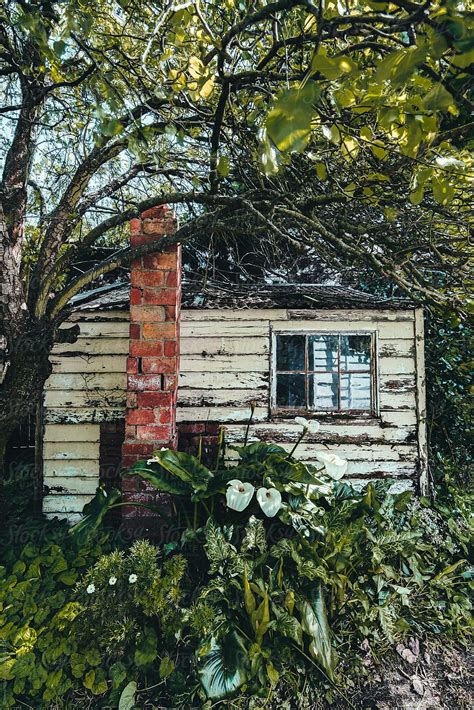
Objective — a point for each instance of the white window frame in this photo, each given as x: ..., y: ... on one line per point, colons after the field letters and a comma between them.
x: 352, y: 413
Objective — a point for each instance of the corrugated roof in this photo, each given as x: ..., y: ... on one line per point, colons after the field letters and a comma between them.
x: 217, y: 295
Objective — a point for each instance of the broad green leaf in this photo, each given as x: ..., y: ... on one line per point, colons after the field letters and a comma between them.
x: 416, y: 196
x: 223, y: 166
x: 93, y: 514
x: 321, y: 171
x: 288, y: 123
x: 443, y: 192
x: 332, y: 67
x: 438, y: 99
x: 349, y: 148
x: 249, y: 599
x: 182, y: 466
x: 166, y: 667
x: 223, y: 668
x: 127, y: 698
x: 314, y: 623
x: 146, y: 651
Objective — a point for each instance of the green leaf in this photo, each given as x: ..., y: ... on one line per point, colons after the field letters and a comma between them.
x: 185, y: 467
x: 321, y: 171
x: 332, y: 67
x: 223, y: 669
x: 146, y: 651
x: 166, y: 667
x: 443, y: 192
x: 416, y: 196
x: 314, y: 623
x: 93, y: 514
x: 127, y: 698
x: 438, y: 99
x: 288, y: 123
x: 223, y: 166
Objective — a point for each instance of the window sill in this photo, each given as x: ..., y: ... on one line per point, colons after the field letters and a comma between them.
x: 328, y: 417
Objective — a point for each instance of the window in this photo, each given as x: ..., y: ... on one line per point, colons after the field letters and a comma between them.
x: 331, y: 372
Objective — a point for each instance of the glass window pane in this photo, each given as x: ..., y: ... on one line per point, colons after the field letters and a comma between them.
x: 322, y: 390
x: 322, y: 352
x: 290, y: 391
x: 355, y: 391
x: 355, y: 352
x: 290, y: 352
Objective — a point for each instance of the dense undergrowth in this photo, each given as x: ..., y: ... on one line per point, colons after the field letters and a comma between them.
x: 282, y: 579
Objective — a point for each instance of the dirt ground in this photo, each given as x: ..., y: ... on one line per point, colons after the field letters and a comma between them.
x: 420, y: 676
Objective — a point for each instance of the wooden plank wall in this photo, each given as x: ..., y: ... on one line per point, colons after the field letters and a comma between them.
x: 87, y: 386
x: 225, y: 364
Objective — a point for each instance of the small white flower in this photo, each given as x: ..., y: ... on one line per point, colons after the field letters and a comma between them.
x: 152, y: 460
x: 133, y: 578
x: 90, y: 589
x: 334, y: 465
x: 239, y: 495
x: 269, y: 499
x: 112, y: 581
x: 302, y: 422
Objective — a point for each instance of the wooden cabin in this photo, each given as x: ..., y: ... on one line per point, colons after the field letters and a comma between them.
x: 164, y: 363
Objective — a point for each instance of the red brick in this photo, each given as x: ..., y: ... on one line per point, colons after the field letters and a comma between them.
x: 132, y: 365
x: 172, y: 279
x: 135, y: 333
x: 135, y: 226
x: 159, y: 212
x: 135, y: 296
x: 170, y: 348
x: 144, y: 382
x: 138, y: 448
x: 130, y: 484
x: 170, y: 313
x: 165, y: 415
x: 151, y: 331
x: 148, y: 314
x: 162, y: 365
x: 153, y: 433
x: 142, y: 278
x: 193, y: 428
x: 170, y: 382
x: 130, y: 431
x: 141, y: 416
x: 159, y: 227
x: 160, y: 296
x: 131, y: 399
x: 163, y: 261
x: 155, y: 399
x: 146, y: 347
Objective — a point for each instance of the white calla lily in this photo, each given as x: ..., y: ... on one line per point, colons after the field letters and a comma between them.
x: 239, y: 495
x: 269, y: 499
x: 310, y: 425
x: 334, y: 465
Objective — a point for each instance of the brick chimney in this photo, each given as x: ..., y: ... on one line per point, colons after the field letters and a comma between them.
x: 153, y: 362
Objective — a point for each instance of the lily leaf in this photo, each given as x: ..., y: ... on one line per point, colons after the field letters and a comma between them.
x: 315, y: 623
x: 224, y: 667
x: 183, y: 466
x: 160, y: 479
x: 93, y: 513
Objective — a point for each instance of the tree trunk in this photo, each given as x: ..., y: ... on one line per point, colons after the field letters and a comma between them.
x: 25, y: 371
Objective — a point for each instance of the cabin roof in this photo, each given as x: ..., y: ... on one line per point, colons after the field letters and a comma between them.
x: 217, y: 295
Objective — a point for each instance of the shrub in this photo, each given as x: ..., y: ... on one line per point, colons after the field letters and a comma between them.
x: 284, y: 579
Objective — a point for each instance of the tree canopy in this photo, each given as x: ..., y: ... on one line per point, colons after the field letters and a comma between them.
x: 336, y: 130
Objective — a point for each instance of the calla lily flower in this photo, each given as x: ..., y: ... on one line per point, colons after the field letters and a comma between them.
x: 310, y: 425
x: 334, y: 465
x: 239, y: 495
x: 269, y: 499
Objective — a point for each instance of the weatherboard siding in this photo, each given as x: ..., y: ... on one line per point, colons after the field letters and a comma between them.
x: 225, y: 365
